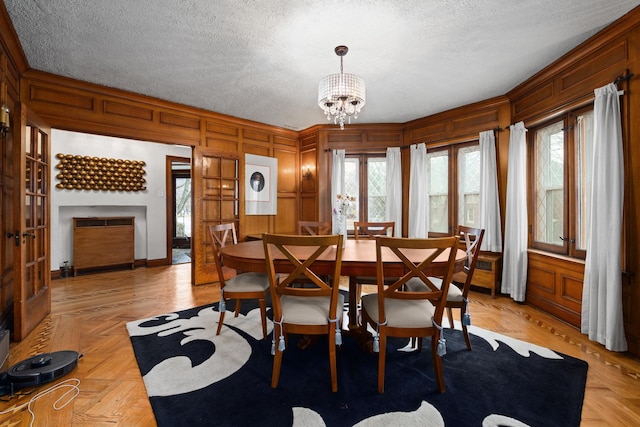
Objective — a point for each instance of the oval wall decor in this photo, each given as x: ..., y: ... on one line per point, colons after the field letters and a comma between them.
x: 101, y: 174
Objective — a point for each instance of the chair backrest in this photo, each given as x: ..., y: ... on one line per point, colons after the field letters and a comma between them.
x: 290, y: 257
x: 370, y: 230
x: 418, y: 257
x: 221, y: 235
x: 470, y: 241
x: 314, y: 228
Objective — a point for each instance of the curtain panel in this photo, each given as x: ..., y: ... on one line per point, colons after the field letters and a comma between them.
x: 337, y: 183
x: 514, y: 258
x: 394, y: 189
x: 602, y: 291
x: 490, y: 219
x: 418, y: 192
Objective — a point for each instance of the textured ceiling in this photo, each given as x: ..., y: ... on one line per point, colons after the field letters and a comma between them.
x: 262, y: 60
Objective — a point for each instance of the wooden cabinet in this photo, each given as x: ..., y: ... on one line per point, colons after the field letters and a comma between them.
x: 554, y: 284
x: 103, y: 242
x: 488, y: 271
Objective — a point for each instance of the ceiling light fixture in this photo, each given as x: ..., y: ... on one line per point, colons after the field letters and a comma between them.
x: 341, y: 95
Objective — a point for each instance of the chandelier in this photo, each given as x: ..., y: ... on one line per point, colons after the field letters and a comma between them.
x: 341, y: 95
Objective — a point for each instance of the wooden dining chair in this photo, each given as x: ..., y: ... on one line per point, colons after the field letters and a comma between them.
x: 314, y: 228
x: 457, y: 295
x: 396, y: 312
x: 308, y: 310
x: 370, y: 230
x: 240, y: 286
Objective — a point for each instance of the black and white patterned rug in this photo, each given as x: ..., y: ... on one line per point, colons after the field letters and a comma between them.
x: 195, y: 378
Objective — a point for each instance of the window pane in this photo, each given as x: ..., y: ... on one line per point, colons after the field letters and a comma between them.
x: 352, y: 188
x: 438, y: 191
x: 584, y: 156
x: 377, y: 188
x: 469, y: 185
x: 549, y: 176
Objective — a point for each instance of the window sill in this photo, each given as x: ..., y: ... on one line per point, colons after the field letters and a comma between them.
x: 555, y: 256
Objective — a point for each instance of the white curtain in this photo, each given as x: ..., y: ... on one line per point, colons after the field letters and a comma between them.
x: 489, y: 203
x: 337, y: 182
x: 418, y: 192
x: 514, y: 259
x: 602, y: 291
x: 394, y: 189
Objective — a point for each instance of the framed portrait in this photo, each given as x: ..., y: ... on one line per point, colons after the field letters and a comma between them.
x: 261, y: 185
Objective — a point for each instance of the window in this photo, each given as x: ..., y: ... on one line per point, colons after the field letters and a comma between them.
x: 469, y: 185
x: 438, y: 170
x: 560, y: 158
x: 454, y: 181
x: 365, y: 177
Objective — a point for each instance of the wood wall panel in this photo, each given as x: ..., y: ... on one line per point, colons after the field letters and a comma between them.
x: 597, y: 62
x: 256, y: 136
x: 555, y: 285
x: 422, y: 133
x: 536, y: 98
x: 60, y: 98
x: 11, y: 78
x: 259, y: 150
x: 190, y: 122
x: 308, y: 207
x: 287, y: 217
x: 222, y: 145
x: 127, y: 110
x: 345, y: 136
x: 471, y: 123
x: 283, y: 140
x: 391, y: 138
x: 222, y: 130
x: 307, y: 139
x: 287, y: 171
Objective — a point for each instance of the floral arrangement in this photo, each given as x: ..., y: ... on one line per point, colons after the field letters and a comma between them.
x: 340, y: 211
x: 343, y: 201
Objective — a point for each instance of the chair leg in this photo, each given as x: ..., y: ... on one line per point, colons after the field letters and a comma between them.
x: 450, y: 316
x: 238, y: 305
x: 263, y: 314
x: 220, y: 322
x: 437, y: 362
x: 465, y: 331
x: 332, y: 358
x: 277, y: 359
x: 381, y: 361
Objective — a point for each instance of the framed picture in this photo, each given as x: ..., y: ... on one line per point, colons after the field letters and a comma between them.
x: 261, y: 185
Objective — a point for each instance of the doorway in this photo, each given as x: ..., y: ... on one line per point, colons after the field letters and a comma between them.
x: 179, y: 209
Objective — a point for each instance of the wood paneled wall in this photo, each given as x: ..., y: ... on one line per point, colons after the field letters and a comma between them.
x: 565, y: 85
x: 79, y: 106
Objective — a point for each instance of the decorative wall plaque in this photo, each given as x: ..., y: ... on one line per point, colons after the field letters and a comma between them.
x: 95, y: 173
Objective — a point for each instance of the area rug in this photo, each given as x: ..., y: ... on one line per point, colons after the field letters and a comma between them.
x: 195, y: 378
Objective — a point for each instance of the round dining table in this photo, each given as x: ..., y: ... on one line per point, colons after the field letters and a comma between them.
x: 358, y: 259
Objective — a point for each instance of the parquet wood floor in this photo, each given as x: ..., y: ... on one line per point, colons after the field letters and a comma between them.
x: 89, y: 313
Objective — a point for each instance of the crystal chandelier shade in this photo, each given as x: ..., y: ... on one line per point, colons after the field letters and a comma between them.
x: 341, y: 95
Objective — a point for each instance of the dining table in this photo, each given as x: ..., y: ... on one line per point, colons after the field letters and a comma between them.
x: 358, y: 260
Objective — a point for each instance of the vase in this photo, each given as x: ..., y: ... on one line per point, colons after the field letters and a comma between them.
x: 341, y: 227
